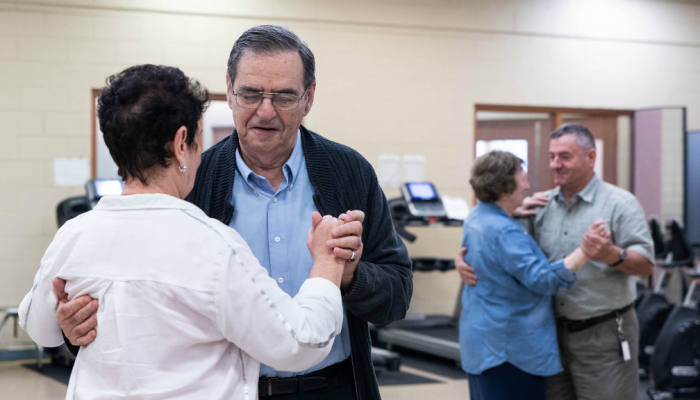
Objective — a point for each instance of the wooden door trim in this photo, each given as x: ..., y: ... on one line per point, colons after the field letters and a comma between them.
x: 553, y: 110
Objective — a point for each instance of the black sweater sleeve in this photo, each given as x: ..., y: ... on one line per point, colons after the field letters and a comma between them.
x: 383, y: 284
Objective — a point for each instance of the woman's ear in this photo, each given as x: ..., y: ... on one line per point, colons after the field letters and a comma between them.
x: 180, y: 146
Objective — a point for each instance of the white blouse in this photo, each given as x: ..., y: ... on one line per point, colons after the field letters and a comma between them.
x: 185, y: 309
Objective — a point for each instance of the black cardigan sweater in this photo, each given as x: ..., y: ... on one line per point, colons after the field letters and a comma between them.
x: 342, y: 180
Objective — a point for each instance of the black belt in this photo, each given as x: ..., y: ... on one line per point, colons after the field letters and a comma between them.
x: 330, y: 378
x: 573, y: 325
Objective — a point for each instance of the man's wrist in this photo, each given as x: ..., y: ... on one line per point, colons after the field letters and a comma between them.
x: 614, y: 255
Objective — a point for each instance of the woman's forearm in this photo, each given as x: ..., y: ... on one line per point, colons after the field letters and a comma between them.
x: 574, y: 261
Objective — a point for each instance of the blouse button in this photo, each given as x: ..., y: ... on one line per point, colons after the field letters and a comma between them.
x: 277, y: 239
x: 274, y: 199
x: 280, y: 280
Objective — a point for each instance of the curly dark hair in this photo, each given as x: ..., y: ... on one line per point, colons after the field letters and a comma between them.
x: 141, y: 109
x: 493, y: 175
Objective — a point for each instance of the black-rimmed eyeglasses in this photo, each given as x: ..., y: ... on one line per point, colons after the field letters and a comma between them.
x: 281, y: 101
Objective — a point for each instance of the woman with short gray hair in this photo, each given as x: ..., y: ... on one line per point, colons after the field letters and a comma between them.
x: 507, y: 332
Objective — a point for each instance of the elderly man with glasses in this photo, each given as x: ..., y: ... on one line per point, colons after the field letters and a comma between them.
x: 265, y: 180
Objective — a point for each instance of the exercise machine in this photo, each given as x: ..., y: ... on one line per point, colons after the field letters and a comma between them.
x: 420, y: 205
x: 95, y: 189
x: 675, y: 363
x: 654, y: 308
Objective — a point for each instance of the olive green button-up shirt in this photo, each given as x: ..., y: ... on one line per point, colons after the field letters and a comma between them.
x: 559, y: 227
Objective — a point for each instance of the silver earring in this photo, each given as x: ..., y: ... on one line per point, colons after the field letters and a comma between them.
x: 183, y: 168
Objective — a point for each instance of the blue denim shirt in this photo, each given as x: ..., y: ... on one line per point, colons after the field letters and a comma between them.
x: 507, y: 316
x: 274, y: 224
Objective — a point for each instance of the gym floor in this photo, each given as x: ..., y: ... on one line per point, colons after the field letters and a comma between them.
x: 419, y: 378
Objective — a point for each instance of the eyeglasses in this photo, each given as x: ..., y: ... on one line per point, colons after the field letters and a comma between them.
x: 281, y: 101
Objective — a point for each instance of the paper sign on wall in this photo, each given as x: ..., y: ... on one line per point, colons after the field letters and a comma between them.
x: 71, y: 171
x: 413, y: 168
x: 388, y: 170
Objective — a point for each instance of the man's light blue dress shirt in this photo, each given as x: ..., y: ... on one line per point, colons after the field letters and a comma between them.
x: 507, y: 316
x: 274, y: 224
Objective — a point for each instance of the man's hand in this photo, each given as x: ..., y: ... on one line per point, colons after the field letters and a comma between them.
x: 347, y: 239
x: 78, y: 317
x: 531, y: 204
x: 597, y: 246
x: 326, y: 264
x: 466, y: 272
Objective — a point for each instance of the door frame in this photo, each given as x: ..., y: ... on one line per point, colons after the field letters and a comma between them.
x: 556, y: 114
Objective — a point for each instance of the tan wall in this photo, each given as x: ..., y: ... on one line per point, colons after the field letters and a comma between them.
x: 393, y: 77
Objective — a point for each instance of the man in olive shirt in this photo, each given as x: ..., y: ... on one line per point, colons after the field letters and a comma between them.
x: 597, y: 326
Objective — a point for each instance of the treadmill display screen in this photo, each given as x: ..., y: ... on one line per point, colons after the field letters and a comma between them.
x: 108, y: 187
x: 422, y: 191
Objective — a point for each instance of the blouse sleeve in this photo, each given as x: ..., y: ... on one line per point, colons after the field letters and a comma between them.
x: 37, y: 312
x: 288, y: 334
x: 522, y: 259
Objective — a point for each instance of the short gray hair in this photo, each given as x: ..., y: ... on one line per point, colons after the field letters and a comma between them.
x: 272, y: 39
x: 584, y: 138
x: 493, y: 175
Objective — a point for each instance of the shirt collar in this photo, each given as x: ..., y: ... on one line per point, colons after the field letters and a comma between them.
x: 494, y: 208
x: 291, y: 167
x: 587, y: 194
x: 144, y: 202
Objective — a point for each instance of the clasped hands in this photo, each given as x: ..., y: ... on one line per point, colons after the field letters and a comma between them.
x: 343, y: 236
x: 596, y: 245
x: 344, y: 239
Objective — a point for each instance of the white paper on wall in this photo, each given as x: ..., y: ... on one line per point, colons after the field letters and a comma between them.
x: 414, y: 168
x: 455, y: 207
x: 388, y: 170
x: 71, y: 171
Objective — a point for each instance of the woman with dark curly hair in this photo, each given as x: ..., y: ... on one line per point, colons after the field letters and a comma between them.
x: 507, y: 332
x: 185, y: 309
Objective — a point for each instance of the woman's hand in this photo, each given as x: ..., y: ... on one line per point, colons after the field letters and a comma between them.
x: 531, y: 204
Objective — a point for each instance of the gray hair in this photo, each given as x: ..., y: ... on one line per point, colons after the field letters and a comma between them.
x: 271, y: 39
x: 584, y: 138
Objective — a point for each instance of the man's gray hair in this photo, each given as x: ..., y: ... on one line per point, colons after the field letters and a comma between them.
x: 271, y: 39
x: 584, y: 138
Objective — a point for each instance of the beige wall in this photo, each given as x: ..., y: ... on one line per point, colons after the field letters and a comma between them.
x: 393, y: 77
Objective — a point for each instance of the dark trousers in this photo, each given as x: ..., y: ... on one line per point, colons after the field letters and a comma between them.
x: 339, y: 385
x: 344, y: 393
x: 506, y: 382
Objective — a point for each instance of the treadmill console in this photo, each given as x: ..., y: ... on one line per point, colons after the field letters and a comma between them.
x: 422, y: 199
x: 95, y: 189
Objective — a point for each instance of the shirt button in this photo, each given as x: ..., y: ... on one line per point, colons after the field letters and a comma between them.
x: 274, y: 199
x: 277, y: 239
x: 291, y: 185
x: 566, y: 233
x: 280, y: 280
x: 256, y: 193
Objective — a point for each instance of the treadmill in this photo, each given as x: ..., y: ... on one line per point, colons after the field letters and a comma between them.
x: 95, y: 189
x: 438, y: 335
